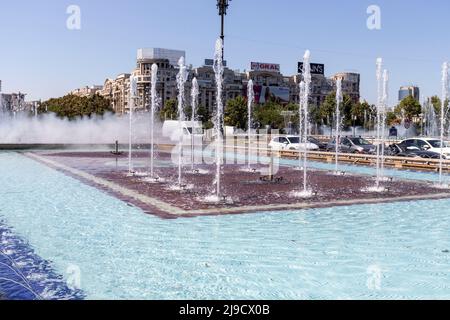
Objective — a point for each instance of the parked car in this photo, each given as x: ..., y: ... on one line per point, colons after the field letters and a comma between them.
x: 317, y: 142
x: 352, y: 145
x: 291, y: 143
x: 399, y: 150
x: 426, y: 144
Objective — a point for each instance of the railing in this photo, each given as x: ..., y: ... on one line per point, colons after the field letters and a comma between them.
x: 362, y: 159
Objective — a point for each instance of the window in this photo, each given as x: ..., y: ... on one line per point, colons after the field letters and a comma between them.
x: 294, y: 140
x: 346, y: 142
x: 409, y: 143
x: 360, y: 142
x: 422, y: 145
x: 435, y: 143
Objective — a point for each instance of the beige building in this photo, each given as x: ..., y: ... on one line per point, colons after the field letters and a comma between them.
x: 233, y: 84
x: 117, y: 92
x: 167, y: 74
x: 351, y: 82
x: 87, y: 91
x: 269, y: 82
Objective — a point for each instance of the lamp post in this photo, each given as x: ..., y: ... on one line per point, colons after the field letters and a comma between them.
x: 222, y: 5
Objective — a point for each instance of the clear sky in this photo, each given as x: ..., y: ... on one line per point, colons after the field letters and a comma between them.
x: 41, y: 57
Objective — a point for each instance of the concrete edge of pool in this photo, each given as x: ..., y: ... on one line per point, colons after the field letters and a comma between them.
x: 166, y: 210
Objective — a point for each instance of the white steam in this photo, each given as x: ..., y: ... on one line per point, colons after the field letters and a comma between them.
x: 49, y: 129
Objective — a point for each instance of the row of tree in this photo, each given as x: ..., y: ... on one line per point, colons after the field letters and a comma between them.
x: 272, y: 114
x: 269, y: 114
x: 72, y: 106
x: 353, y: 113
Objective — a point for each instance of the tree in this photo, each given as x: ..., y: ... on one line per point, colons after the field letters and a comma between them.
x: 202, y: 114
x: 409, y: 108
x: 436, y: 102
x: 72, y: 106
x: 169, y: 111
x: 392, y: 119
x: 327, y: 110
x: 236, y: 113
x: 363, y: 112
x: 269, y: 114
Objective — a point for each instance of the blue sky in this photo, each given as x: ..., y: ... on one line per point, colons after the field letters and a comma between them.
x: 41, y: 57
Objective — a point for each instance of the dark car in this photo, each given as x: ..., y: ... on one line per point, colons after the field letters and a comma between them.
x: 352, y: 145
x: 401, y: 150
x: 317, y: 142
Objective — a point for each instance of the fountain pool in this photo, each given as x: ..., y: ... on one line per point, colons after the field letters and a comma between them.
x: 389, y: 251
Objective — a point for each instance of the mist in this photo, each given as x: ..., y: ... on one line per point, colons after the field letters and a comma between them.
x: 49, y: 129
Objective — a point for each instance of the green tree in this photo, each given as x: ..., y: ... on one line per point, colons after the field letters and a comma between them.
x: 409, y: 108
x: 169, y: 111
x: 72, y: 106
x: 436, y: 102
x: 363, y: 111
x: 392, y: 119
x: 202, y: 114
x: 269, y: 114
x: 236, y: 113
x: 327, y: 111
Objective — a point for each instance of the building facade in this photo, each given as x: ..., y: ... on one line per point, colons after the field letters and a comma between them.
x: 13, y: 102
x: 87, y: 91
x: 351, y: 83
x: 117, y: 92
x: 269, y: 83
x: 233, y: 82
x: 166, y: 87
x: 409, y: 91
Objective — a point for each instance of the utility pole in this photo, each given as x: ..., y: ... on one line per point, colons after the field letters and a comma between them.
x: 222, y: 5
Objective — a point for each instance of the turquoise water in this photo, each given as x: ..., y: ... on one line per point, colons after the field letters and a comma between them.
x: 394, y: 251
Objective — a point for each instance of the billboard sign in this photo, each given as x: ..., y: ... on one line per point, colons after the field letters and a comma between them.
x: 268, y: 67
x: 316, y: 68
x: 265, y: 94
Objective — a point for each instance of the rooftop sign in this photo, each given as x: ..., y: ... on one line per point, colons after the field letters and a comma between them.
x: 269, y: 67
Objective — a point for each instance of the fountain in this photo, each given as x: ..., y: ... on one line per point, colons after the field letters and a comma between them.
x: 250, y: 99
x: 339, y: 100
x: 181, y: 81
x: 431, y: 129
x: 379, y: 138
x: 300, y: 121
x: 154, y: 97
x: 384, y: 106
x: 305, y: 88
x: 194, y: 102
x: 378, y: 119
x: 131, y: 101
x: 35, y: 109
x: 2, y: 111
x: 307, y: 83
x: 445, y: 84
x: 218, y: 121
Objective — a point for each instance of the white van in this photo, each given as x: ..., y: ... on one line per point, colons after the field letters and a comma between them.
x: 190, y: 130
